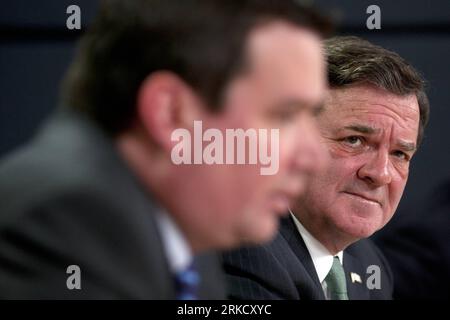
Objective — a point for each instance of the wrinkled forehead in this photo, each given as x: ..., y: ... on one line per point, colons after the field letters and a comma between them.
x: 374, y: 105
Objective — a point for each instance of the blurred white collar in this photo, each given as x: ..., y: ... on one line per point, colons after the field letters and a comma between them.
x: 177, y: 249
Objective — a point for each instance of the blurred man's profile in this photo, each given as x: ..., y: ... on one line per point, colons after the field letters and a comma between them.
x: 97, y: 191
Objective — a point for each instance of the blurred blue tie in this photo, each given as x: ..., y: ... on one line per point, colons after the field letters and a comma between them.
x: 187, y: 283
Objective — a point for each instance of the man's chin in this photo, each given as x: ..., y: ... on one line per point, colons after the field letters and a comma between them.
x: 359, y: 229
x: 262, y: 232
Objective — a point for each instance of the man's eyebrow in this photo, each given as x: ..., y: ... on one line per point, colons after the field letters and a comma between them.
x: 401, y: 144
x: 296, y: 104
x: 319, y: 108
x: 406, y: 146
x: 362, y: 128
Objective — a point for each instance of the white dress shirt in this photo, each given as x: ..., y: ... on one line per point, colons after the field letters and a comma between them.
x: 177, y: 249
x: 321, y: 257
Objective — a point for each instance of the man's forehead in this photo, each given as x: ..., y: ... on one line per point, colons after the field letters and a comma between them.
x: 287, y: 62
x: 372, y: 123
x: 270, y: 45
x: 370, y: 100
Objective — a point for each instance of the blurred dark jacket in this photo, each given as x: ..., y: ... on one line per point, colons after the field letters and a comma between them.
x: 68, y: 199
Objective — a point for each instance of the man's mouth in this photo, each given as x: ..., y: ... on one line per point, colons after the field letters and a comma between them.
x: 364, y: 197
x: 283, y: 199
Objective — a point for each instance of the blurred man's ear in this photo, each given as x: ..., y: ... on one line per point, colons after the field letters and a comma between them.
x: 165, y: 103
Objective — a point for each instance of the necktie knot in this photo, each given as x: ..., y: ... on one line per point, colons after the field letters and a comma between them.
x: 186, y: 283
x: 336, y: 283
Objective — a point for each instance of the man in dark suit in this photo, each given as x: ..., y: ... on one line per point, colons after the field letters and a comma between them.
x: 69, y: 199
x: 98, y: 204
x: 283, y: 269
x: 372, y: 123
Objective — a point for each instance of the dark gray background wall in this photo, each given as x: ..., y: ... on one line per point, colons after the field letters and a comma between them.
x: 36, y: 48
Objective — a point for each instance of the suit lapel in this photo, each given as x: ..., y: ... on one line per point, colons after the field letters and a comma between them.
x: 354, y: 272
x: 291, y: 234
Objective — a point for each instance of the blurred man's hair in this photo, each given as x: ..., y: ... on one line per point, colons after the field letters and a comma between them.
x: 352, y: 60
x: 202, y: 41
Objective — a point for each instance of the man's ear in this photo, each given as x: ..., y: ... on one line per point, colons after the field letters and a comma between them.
x: 165, y: 103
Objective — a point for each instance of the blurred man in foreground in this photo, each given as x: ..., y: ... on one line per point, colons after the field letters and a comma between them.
x: 98, y: 205
x: 372, y: 124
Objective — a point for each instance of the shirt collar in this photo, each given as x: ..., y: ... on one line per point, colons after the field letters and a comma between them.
x: 178, y: 251
x: 321, y: 257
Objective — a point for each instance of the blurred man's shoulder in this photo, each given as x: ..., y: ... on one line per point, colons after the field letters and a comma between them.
x: 67, y: 156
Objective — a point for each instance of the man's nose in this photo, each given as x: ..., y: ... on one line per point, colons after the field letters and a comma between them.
x: 377, y: 170
x: 312, y: 154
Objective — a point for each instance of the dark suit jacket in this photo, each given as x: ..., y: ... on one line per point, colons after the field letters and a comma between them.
x: 68, y: 199
x: 417, y: 245
x: 283, y: 269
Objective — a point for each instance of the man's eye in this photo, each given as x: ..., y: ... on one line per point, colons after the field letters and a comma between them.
x: 353, y: 141
x: 401, y: 155
x: 283, y: 115
x: 286, y: 116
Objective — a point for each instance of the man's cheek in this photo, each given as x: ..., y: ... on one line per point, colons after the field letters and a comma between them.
x: 289, y: 144
x: 396, y: 192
